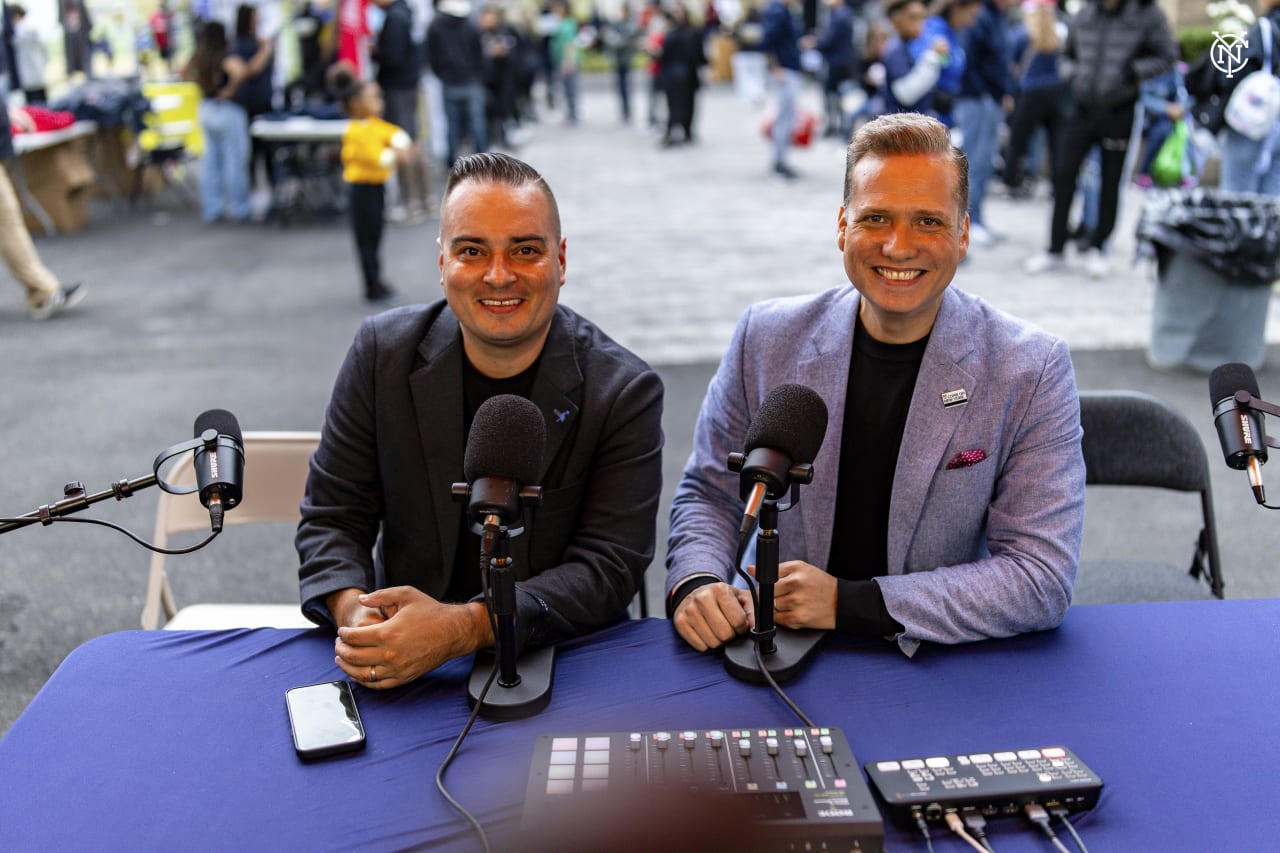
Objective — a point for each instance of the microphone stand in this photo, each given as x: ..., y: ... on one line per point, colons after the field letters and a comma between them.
x: 522, y: 691
x: 75, y: 499
x: 783, y: 651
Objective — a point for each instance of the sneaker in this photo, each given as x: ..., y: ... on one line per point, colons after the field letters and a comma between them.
x: 782, y: 170
x: 66, y: 297
x: 1096, y: 264
x: 1045, y: 262
x: 381, y: 293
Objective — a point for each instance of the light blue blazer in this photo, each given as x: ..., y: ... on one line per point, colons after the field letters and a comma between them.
x: 987, y: 550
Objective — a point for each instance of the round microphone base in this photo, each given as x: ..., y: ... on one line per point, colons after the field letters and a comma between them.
x: 793, y: 648
x: 528, y: 697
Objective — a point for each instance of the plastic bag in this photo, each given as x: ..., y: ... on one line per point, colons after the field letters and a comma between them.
x: 1172, y: 164
x: 802, y: 131
x: 1236, y: 234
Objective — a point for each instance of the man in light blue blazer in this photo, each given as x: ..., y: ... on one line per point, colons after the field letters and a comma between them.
x: 947, y: 503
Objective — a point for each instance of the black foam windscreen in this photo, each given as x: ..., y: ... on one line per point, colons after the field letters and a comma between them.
x: 791, y: 419
x: 1227, y: 379
x: 221, y: 421
x: 508, y: 439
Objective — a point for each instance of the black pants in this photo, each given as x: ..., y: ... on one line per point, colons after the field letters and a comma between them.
x: 1108, y: 128
x: 681, y: 96
x: 366, y: 224
x: 1037, y: 108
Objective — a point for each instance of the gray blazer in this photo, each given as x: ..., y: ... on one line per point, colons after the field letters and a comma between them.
x: 379, y: 510
x: 987, y: 550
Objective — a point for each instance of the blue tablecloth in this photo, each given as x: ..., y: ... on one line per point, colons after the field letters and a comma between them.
x: 180, y: 741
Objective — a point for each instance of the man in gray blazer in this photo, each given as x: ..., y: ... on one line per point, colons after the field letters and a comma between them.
x: 948, y: 498
x: 386, y: 554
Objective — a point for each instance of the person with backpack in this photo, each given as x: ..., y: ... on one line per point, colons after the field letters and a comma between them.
x: 1251, y: 154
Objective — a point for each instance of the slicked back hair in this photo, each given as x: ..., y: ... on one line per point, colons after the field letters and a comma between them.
x: 907, y: 133
x: 495, y: 168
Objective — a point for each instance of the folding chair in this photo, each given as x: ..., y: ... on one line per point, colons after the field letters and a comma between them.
x: 1135, y: 439
x: 275, y: 476
x: 170, y: 137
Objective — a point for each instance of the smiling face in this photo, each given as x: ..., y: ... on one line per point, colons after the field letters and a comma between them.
x: 902, y: 235
x: 502, y: 263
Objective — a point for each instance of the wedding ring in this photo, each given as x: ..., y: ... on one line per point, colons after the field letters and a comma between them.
x: 373, y: 676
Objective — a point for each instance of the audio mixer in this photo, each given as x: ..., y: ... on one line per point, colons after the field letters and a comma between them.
x: 801, y: 787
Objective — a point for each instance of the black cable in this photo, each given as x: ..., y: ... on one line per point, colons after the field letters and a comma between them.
x: 1061, y: 814
x: 744, y: 539
x: 1037, y: 815
x: 486, y: 553
x: 448, y: 759
x: 145, y: 544
x: 924, y: 830
x: 768, y: 676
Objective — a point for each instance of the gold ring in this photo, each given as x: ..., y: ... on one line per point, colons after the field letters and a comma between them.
x: 373, y: 676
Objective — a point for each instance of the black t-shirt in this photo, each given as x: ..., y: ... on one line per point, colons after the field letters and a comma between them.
x: 882, y: 378
x: 464, y: 584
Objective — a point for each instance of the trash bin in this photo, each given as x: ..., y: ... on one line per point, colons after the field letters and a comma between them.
x: 1217, y: 255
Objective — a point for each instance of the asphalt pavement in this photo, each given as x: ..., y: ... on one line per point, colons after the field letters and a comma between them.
x: 665, y: 249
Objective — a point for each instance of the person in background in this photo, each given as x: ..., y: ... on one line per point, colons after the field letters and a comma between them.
x: 679, y: 67
x: 456, y: 55
x: 948, y: 21
x: 1164, y: 101
x: 780, y: 43
x: 1041, y: 102
x: 910, y: 79
x: 46, y: 296
x: 1250, y: 165
x: 986, y: 96
x: 836, y: 44
x: 386, y: 556
x: 622, y: 38
x: 371, y: 148
x: 224, y: 167
x: 255, y: 93
x: 161, y: 24
x: 397, y: 56
x: 30, y: 56
x: 1111, y: 47
x: 564, y: 57
x: 498, y: 46
x: 947, y: 503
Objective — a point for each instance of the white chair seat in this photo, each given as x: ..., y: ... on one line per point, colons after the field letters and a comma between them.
x: 221, y: 617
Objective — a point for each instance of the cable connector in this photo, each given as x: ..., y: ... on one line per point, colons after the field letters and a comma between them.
x: 957, y: 826
x: 1037, y: 815
x: 977, y: 825
x: 1061, y: 813
x: 923, y: 826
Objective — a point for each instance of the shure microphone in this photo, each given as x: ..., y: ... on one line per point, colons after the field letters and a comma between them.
x: 503, y: 459
x: 504, y: 454
x: 1241, y: 429
x: 787, y: 430
x: 219, y: 463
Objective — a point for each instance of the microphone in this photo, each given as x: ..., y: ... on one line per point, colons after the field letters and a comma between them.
x: 782, y: 441
x: 1241, y: 431
x: 219, y: 463
x: 504, y: 456
x: 787, y: 430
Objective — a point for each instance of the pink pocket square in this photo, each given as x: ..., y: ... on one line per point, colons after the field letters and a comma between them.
x: 967, y: 459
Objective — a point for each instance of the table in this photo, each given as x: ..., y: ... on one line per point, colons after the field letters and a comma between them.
x: 179, y: 740
x: 51, y: 181
x: 306, y: 153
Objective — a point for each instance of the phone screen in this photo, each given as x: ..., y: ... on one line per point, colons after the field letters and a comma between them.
x: 324, y: 719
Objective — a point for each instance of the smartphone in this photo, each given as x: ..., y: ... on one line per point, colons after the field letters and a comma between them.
x: 324, y: 719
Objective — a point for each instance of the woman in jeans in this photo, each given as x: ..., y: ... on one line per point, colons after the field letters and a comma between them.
x: 224, y: 168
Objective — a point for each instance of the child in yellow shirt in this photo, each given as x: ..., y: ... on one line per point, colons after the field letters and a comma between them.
x: 371, y: 147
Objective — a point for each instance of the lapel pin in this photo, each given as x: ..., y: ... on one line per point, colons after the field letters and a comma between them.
x: 957, y: 397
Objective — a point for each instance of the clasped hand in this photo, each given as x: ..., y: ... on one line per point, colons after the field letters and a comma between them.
x: 713, y: 614
x: 392, y: 636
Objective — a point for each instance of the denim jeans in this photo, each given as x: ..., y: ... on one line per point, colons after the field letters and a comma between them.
x: 787, y: 85
x: 464, y: 109
x: 224, y: 168
x: 1240, y: 159
x: 979, y: 121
